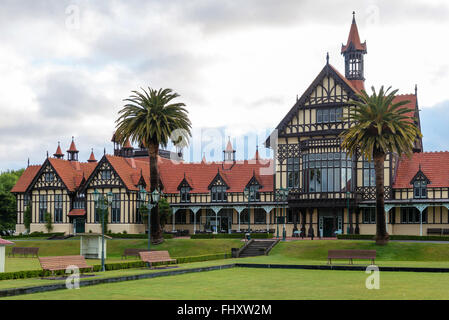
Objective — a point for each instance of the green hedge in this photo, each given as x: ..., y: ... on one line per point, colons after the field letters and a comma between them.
x: 136, y: 236
x: 35, y: 235
x: 392, y: 237
x: 110, y: 266
x: 231, y: 236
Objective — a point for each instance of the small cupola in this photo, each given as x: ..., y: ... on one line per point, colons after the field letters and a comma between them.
x: 72, y: 153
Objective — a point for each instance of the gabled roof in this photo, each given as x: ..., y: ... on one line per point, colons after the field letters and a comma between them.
x: 328, y: 70
x: 25, y: 179
x: 72, y: 172
x: 434, y: 165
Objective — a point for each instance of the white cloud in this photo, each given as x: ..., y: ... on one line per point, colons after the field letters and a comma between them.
x: 238, y: 65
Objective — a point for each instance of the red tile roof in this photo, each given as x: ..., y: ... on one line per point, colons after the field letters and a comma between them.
x: 77, y: 212
x: 72, y: 172
x: 411, y: 105
x: 354, y: 39
x: 198, y: 175
x: 434, y: 165
x: 25, y: 179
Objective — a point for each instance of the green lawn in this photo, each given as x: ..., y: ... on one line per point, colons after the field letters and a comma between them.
x: 259, y: 284
x: 115, y: 248
x: 292, y: 252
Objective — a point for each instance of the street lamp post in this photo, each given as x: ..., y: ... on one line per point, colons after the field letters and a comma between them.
x: 282, y: 194
x: 153, y: 199
x: 348, y: 194
x: 102, y: 204
x: 249, y: 194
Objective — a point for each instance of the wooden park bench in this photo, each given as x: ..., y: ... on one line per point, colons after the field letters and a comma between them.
x: 24, y: 251
x: 132, y: 252
x: 62, y: 262
x: 156, y: 256
x: 351, y: 254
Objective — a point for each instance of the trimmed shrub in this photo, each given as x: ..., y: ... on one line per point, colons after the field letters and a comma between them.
x: 392, y: 237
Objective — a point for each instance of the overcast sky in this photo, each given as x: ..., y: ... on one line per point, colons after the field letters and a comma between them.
x: 66, y: 66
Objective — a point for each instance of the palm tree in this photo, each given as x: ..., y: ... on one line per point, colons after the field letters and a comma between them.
x: 150, y: 117
x: 380, y: 127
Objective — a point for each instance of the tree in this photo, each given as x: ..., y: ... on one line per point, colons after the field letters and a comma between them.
x: 153, y: 119
x: 8, y: 206
x: 48, y: 222
x: 165, y: 211
x: 27, y: 218
x: 380, y: 127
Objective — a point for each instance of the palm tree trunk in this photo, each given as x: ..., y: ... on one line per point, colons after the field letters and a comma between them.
x: 381, y: 230
x: 156, y: 231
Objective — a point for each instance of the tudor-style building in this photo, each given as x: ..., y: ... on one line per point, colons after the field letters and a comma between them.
x: 329, y: 192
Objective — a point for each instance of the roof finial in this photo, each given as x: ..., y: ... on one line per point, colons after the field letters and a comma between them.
x: 353, y: 16
x: 28, y: 162
x: 416, y: 89
x: 47, y: 154
x: 327, y: 58
x: 104, y: 151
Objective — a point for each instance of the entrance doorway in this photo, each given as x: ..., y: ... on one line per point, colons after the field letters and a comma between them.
x: 79, y: 225
x: 328, y: 225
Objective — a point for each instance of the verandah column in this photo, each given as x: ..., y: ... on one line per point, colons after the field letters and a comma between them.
x: 267, y: 211
x: 194, y: 210
x: 216, y: 209
x: 421, y: 208
x: 239, y: 210
x: 303, y: 213
x: 311, y: 222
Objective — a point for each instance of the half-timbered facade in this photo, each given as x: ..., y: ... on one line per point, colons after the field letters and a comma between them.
x: 329, y: 192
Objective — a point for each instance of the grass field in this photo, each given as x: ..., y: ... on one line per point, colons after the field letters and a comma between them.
x: 293, y: 252
x: 242, y: 283
x: 115, y: 248
x: 258, y: 284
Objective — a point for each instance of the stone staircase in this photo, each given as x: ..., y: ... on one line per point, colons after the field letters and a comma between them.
x: 257, y: 248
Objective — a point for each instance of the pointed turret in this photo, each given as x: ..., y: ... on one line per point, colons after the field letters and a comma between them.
x: 58, y: 154
x: 256, y: 156
x: 353, y: 51
x: 72, y: 153
x: 229, y: 152
x: 92, y: 157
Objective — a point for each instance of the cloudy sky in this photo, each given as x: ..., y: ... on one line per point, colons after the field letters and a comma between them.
x: 66, y: 66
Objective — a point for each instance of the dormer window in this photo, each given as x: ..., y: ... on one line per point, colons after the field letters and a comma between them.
x: 185, y: 194
x: 218, y: 194
x: 420, y: 189
x: 420, y: 183
x: 254, y: 193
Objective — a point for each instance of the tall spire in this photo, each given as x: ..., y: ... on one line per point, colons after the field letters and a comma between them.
x: 353, y: 51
